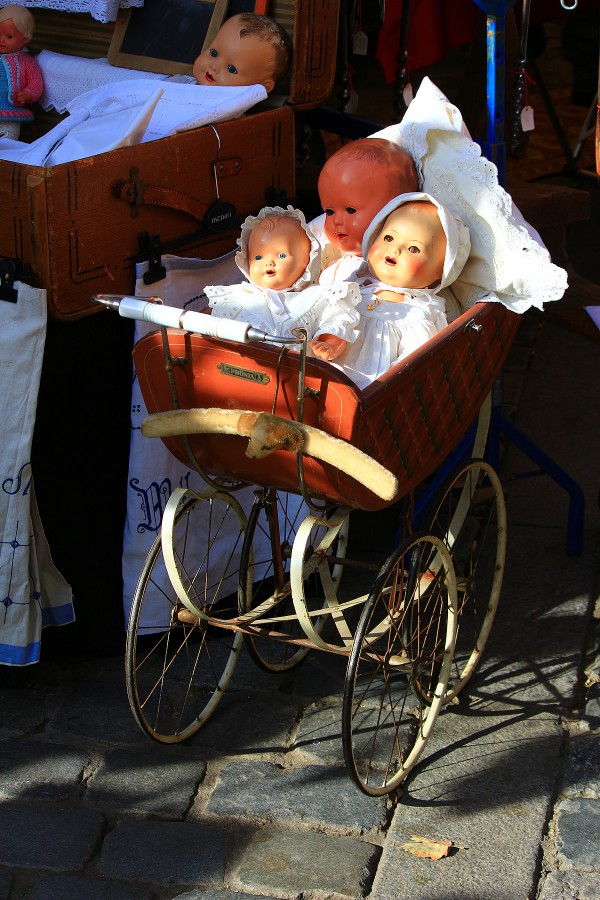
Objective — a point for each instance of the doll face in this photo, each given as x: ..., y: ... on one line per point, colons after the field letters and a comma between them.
x: 11, y: 39
x: 278, y: 256
x: 232, y: 61
x: 353, y: 190
x: 409, y: 250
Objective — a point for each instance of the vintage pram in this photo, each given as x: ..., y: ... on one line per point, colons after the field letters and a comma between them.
x: 249, y: 412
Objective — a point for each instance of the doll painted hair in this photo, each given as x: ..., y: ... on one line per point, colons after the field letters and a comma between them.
x: 269, y: 31
x: 22, y: 18
x: 388, y: 157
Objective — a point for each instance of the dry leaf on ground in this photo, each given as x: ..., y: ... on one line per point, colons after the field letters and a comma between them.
x: 428, y: 848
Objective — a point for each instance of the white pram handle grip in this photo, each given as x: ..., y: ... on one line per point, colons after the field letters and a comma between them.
x: 153, y: 310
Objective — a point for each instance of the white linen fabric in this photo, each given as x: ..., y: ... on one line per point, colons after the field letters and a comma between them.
x: 121, y: 114
x: 33, y: 593
x: 153, y: 472
x: 102, y: 10
x: 508, y: 261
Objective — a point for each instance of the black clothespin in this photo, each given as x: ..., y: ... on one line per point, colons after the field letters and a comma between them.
x: 9, y: 270
x: 150, y: 252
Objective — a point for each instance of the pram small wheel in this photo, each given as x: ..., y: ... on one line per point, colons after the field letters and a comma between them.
x: 469, y: 515
x: 179, y: 665
x: 399, y: 665
x: 273, y: 525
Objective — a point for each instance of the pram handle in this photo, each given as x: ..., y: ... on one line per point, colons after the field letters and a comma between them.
x: 268, y: 433
x: 152, y: 309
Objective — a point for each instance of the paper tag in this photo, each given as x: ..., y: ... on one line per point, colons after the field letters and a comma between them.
x: 527, y: 123
x: 407, y: 94
x: 360, y: 44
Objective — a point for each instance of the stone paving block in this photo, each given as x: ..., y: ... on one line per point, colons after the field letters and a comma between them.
x: 313, y: 796
x: 484, y: 784
x: 51, y: 837
x: 319, y: 735
x: 23, y: 709
x: 582, y: 775
x: 292, y: 863
x: 246, y: 722
x: 158, y: 781
x: 578, y: 834
x: 165, y: 853
x: 99, y: 711
x: 320, y: 675
x: 220, y: 895
x: 30, y: 769
x: 74, y: 887
x: 570, y: 886
x: 5, y: 885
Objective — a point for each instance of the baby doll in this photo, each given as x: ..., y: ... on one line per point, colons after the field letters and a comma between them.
x: 414, y: 248
x: 280, y: 257
x: 355, y: 183
x: 21, y: 79
x: 247, y: 49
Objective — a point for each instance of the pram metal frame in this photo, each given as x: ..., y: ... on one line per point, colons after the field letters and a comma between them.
x: 415, y: 638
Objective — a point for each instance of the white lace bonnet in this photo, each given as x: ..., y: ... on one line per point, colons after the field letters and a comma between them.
x: 458, y: 241
x: 310, y: 274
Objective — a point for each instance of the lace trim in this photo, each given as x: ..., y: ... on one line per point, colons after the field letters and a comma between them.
x: 102, y: 10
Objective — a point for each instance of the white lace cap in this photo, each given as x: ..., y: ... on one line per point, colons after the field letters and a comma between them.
x: 310, y: 274
x: 458, y: 241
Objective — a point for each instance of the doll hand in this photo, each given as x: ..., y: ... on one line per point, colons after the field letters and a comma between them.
x: 23, y: 97
x: 328, y: 346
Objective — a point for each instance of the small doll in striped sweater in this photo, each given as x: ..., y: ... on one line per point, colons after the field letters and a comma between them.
x: 21, y: 81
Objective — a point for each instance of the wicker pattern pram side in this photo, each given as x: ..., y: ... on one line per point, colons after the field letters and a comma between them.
x: 419, y: 415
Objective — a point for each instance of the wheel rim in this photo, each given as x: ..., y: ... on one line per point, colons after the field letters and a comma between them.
x: 265, y: 574
x: 177, y: 667
x: 469, y: 515
x: 405, y: 637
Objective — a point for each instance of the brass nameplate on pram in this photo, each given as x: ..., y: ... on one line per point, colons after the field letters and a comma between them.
x: 247, y: 374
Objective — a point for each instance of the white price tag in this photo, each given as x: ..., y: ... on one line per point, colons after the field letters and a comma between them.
x: 527, y: 123
x: 360, y: 44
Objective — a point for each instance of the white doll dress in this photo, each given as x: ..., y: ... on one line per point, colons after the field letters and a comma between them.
x: 389, y: 332
x: 319, y: 309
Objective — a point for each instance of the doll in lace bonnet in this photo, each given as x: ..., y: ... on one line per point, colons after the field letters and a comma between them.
x: 280, y: 258
x: 415, y: 248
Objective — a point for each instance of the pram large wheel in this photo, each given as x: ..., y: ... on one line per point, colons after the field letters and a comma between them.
x: 273, y: 524
x: 399, y: 665
x: 469, y: 515
x: 177, y: 667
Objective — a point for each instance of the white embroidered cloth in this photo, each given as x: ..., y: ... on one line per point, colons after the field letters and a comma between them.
x: 154, y: 473
x: 130, y: 112
x: 102, y: 10
x: 508, y: 261
x: 33, y: 594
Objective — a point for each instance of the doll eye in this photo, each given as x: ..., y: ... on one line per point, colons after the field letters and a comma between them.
x: 232, y: 70
x: 257, y: 257
x: 388, y: 238
x: 413, y: 249
x: 350, y: 210
x: 328, y: 212
x: 213, y: 52
x: 282, y: 255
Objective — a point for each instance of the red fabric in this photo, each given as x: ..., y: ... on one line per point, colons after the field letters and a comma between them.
x: 435, y: 28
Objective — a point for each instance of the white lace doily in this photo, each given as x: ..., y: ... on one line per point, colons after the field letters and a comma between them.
x: 102, y: 10
x: 508, y: 260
